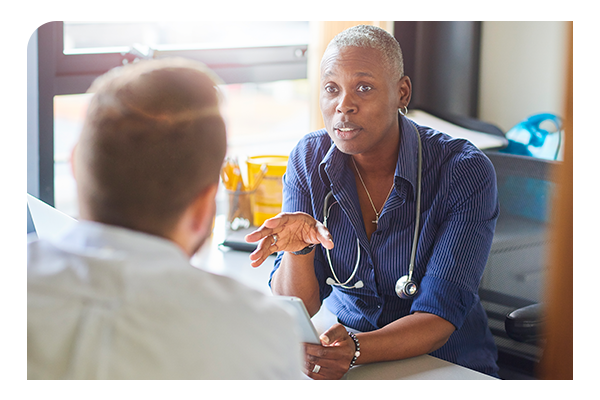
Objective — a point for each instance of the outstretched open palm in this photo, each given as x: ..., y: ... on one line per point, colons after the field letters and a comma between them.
x: 287, y: 232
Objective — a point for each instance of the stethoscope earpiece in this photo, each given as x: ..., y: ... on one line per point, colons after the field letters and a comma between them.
x: 357, y: 285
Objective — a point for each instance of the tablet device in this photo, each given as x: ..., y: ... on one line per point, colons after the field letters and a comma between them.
x: 308, y: 332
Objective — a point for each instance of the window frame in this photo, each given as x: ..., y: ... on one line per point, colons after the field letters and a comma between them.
x: 63, y: 74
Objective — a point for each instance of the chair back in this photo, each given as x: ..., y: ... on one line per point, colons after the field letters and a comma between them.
x: 514, y: 273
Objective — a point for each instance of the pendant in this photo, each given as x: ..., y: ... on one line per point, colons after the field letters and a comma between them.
x: 376, y: 219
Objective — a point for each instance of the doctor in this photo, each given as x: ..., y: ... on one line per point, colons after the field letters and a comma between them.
x: 408, y: 219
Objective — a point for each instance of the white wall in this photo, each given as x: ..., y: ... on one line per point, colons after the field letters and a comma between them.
x: 523, y: 66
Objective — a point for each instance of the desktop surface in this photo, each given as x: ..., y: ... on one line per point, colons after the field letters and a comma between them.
x: 423, y: 367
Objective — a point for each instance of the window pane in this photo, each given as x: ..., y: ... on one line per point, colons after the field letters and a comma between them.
x: 262, y: 118
x: 99, y: 37
x: 266, y: 118
x: 69, y: 112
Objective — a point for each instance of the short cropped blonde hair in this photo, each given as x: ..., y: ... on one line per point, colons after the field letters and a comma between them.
x: 153, y: 139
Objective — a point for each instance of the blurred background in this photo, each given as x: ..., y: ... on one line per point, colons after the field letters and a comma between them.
x: 494, y: 72
x: 498, y: 72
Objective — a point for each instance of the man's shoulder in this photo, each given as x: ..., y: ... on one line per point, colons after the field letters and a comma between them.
x: 164, y: 305
x: 268, y: 338
x: 170, y: 279
x: 239, y: 299
x: 43, y: 258
x: 223, y: 287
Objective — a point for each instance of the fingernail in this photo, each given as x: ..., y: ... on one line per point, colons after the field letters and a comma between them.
x: 324, y: 339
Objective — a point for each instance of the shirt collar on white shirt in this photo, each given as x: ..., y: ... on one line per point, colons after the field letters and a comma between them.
x: 86, y: 236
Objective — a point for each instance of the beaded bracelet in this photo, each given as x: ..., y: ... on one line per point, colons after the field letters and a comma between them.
x: 356, y: 346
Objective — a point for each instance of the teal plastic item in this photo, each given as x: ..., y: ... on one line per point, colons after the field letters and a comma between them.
x: 525, y: 197
x: 532, y: 137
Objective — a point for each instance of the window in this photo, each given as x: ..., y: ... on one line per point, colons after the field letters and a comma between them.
x: 262, y: 64
x: 262, y: 118
x: 106, y: 37
x: 69, y: 112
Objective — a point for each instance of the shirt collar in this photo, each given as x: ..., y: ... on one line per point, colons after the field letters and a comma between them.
x: 95, y: 237
x: 408, y: 156
x: 332, y: 166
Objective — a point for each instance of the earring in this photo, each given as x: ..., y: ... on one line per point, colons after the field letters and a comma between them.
x: 405, y: 111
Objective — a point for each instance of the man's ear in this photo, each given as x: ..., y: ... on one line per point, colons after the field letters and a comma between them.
x: 73, y: 160
x: 203, y: 208
x: 195, y: 224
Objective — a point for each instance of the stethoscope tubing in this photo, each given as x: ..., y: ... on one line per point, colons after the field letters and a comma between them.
x: 415, y: 236
x: 337, y: 281
x: 413, y: 252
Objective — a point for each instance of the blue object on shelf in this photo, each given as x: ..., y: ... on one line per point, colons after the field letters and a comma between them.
x: 529, y: 138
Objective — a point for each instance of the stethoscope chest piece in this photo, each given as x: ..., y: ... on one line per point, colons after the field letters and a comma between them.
x: 406, y: 288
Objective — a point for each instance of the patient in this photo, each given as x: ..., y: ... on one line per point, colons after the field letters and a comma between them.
x: 116, y: 297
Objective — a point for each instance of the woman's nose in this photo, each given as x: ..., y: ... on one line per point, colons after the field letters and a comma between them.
x: 346, y: 105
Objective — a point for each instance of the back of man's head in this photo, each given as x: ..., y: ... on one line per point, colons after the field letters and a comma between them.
x: 152, y: 141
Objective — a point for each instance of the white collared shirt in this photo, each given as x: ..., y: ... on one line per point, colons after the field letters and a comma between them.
x: 105, y: 302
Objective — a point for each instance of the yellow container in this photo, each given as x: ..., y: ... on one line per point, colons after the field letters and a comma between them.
x: 266, y: 201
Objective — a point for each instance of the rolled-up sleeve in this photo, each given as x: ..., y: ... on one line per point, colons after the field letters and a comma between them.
x: 449, y: 287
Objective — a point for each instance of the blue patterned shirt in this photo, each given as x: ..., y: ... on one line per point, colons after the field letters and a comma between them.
x: 459, y: 208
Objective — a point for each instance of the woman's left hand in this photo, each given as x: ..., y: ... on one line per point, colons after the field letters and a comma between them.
x: 333, y: 356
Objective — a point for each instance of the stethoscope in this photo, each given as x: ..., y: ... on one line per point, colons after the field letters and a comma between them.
x: 406, y: 288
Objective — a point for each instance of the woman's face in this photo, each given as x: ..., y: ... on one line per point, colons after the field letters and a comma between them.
x: 360, y: 98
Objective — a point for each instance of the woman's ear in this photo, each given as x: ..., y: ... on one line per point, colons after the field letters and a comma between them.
x: 405, y: 91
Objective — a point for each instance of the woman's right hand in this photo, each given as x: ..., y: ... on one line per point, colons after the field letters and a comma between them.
x: 294, y: 231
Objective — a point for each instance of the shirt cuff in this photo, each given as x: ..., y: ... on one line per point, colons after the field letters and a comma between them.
x: 444, y: 299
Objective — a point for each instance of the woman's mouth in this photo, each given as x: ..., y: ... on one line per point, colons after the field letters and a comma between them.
x: 346, y: 130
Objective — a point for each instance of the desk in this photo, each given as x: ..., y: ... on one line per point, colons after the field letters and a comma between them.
x: 236, y: 265
x: 416, y: 368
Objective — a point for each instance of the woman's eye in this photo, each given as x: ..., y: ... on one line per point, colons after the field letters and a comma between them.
x: 364, y: 88
x: 330, y: 89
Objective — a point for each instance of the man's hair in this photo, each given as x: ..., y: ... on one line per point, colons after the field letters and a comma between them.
x: 152, y: 141
x: 368, y: 36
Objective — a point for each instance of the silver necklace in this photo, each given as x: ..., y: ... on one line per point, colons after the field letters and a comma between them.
x: 369, y: 196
